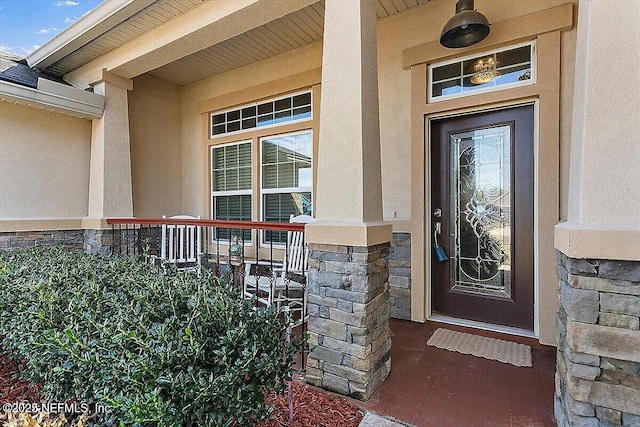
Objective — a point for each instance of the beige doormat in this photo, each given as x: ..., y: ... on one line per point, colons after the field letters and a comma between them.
x: 489, y: 348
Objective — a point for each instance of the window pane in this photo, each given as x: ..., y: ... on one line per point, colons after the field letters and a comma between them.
x: 217, y: 130
x: 303, y: 99
x: 236, y: 208
x: 233, y: 126
x: 283, y: 116
x: 279, y: 208
x: 265, y: 120
x: 293, y: 156
x: 244, y: 154
x: 232, y: 179
x: 265, y: 108
x: 446, y: 72
x: 270, y: 176
x: 231, y: 167
x: 269, y: 152
x: 446, y: 88
x: 514, y: 56
x: 217, y: 119
x: 244, y: 178
x: 286, y: 175
x: 249, y: 123
x: 302, y: 113
x: 218, y: 180
x: 283, y: 104
x: 233, y: 115
x: 249, y: 112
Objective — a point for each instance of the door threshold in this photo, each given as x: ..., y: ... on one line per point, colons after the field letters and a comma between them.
x: 481, y: 325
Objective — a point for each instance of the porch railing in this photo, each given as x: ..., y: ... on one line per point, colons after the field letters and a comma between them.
x: 229, y: 249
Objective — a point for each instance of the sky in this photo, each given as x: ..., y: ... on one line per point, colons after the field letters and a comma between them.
x: 26, y: 25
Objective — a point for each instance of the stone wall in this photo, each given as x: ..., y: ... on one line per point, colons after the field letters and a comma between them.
x: 349, y: 309
x: 69, y: 239
x: 90, y: 241
x: 598, y: 363
x: 400, y: 276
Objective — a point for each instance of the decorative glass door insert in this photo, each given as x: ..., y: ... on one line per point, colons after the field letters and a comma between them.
x: 481, y: 205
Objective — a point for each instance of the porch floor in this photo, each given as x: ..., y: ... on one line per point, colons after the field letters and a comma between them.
x: 428, y: 386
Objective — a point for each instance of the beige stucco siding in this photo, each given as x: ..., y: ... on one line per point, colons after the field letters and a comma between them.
x: 289, y: 64
x: 156, y: 160
x: 421, y: 25
x: 44, y: 164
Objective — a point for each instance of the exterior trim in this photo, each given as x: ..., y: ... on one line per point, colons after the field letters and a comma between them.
x: 54, y: 97
x: 598, y: 241
x: 526, y: 27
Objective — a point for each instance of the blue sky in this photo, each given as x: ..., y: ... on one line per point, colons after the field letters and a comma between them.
x: 26, y: 25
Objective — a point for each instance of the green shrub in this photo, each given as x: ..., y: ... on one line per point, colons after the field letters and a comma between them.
x: 158, y: 348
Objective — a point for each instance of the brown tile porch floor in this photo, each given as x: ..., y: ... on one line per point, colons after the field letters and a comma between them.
x: 428, y: 386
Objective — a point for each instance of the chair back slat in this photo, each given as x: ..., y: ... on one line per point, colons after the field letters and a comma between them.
x: 181, y: 244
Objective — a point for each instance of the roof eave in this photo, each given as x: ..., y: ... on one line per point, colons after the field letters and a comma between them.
x: 55, y: 97
x: 100, y: 20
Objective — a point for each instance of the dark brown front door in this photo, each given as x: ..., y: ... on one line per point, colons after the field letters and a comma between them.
x: 482, y: 198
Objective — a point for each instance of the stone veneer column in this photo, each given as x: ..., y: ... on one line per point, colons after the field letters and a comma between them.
x: 598, y: 371
x: 349, y: 310
x: 348, y: 292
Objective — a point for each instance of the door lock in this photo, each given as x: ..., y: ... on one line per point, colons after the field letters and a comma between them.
x: 437, y: 213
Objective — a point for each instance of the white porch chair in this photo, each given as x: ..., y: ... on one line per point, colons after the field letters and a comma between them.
x: 181, y: 245
x: 289, y: 277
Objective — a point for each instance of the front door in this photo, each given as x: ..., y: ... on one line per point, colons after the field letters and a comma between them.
x: 482, y: 216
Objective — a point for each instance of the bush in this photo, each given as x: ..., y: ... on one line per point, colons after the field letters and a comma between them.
x: 158, y: 348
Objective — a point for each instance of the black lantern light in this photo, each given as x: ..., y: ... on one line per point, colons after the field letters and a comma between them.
x: 466, y: 28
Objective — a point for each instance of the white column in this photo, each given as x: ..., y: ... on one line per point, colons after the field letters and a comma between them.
x: 349, y: 188
x: 604, y: 183
x: 110, y: 193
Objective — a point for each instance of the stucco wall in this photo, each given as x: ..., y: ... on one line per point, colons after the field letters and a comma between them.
x: 44, y: 164
x: 288, y: 64
x: 394, y: 34
x: 421, y: 25
x: 156, y: 165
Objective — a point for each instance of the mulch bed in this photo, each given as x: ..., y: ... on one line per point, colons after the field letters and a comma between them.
x: 14, y: 390
x: 311, y: 407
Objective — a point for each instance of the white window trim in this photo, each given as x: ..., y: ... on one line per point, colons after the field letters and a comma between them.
x: 240, y: 107
x: 531, y: 81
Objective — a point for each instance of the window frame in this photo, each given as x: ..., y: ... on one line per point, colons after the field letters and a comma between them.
x: 478, y: 55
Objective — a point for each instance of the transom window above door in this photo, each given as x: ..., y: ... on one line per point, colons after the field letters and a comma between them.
x: 495, y: 70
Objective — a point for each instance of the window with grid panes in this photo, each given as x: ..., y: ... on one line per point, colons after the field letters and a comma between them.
x: 267, y: 113
x: 231, y: 186
x: 287, y: 179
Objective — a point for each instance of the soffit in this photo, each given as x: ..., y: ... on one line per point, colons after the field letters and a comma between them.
x: 290, y: 32
x: 146, y: 20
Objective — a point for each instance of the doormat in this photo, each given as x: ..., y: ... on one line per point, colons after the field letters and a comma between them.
x: 488, y: 348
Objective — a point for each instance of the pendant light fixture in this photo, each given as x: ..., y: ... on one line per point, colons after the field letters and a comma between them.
x: 466, y: 28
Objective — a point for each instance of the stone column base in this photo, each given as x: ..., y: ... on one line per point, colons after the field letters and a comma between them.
x: 598, y: 361
x: 349, y: 309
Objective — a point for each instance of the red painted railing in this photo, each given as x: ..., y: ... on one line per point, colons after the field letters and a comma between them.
x: 244, y: 225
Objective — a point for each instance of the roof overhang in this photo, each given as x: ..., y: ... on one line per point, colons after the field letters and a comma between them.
x: 98, y: 21
x: 54, y: 97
